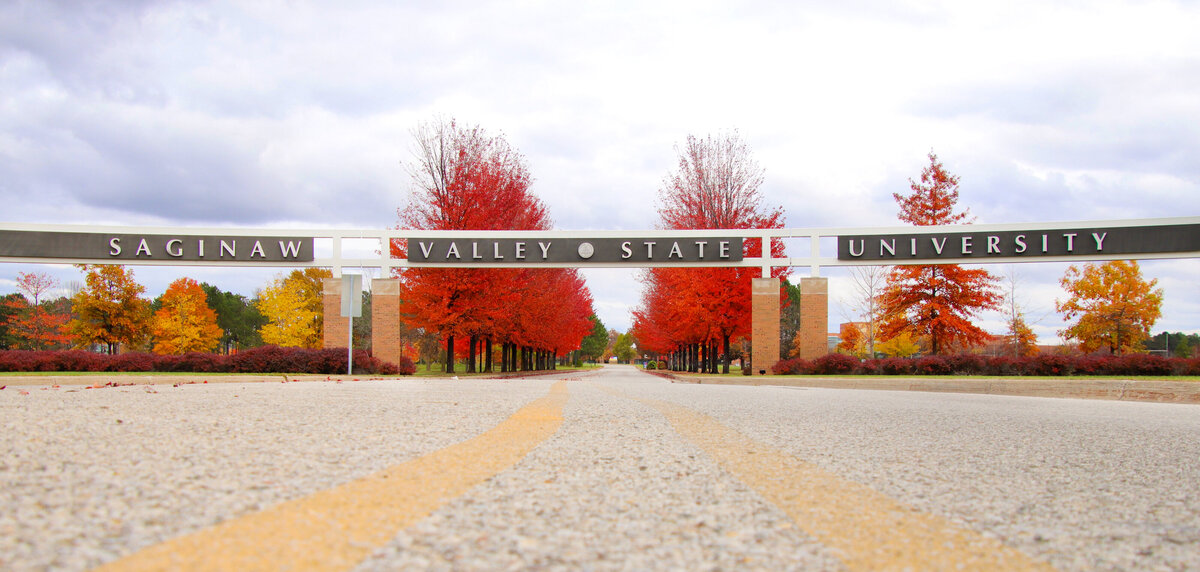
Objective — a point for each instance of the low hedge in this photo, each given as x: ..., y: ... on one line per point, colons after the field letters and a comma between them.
x: 265, y: 359
x: 970, y: 364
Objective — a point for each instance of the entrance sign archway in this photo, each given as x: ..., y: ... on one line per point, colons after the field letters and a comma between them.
x: 342, y: 249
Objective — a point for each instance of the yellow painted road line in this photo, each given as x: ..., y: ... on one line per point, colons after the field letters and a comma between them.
x: 865, y: 528
x: 338, y: 528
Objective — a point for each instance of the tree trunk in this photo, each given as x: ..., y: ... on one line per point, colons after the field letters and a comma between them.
x: 449, y: 354
x: 471, y: 341
x: 487, y: 354
x: 725, y: 347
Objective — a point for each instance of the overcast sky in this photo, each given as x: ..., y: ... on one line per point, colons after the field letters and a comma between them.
x: 298, y: 114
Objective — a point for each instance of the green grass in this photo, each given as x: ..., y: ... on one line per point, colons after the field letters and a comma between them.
x: 736, y: 371
x: 117, y: 373
x: 436, y: 371
x: 1005, y: 377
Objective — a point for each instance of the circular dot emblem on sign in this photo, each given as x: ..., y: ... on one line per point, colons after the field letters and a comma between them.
x: 586, y: 250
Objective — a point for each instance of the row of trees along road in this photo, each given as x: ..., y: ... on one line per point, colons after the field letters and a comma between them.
x: 109, y: 311
x: 465, y: 179
x: 691, y: 315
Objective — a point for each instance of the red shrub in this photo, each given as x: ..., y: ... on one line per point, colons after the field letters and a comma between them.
x: 1091, y: 364
x: 1004, y: 365
x: 967, y: 364
x: 1051, y: 364
x: 203, y: 363
x: 834, y: 364
x: 265, y: 359
x: 933, y: 365
x: 1142, y: 364
x: 792, y: 366
x: 86, y: 361
x: 407, y: 367
x: 133, y: 361
x: 22, y: 360
x: 895, y: 366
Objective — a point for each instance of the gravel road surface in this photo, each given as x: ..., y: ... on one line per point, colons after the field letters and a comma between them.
x: 625, y: 471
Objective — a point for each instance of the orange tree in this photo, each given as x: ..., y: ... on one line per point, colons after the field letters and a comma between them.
x: 109, y: 310
x: 689, y: 310
x: 294, y: 310
x: 852, y: 339
x: 936, y: 302
x: 1112, y: 305
x: 1021, y: 339
x: 185, y: 323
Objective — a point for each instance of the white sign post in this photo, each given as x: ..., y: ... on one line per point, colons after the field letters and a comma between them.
x: 351, y: 308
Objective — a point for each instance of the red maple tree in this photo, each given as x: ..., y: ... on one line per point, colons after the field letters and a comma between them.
x: 685, y: 312
x: 468, y: 180
x: 936, y: 302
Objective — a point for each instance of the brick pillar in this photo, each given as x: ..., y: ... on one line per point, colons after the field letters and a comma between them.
x: 335, y: 325
x: 764, y: 324
x: 385, y: 319
x: 814, y: 317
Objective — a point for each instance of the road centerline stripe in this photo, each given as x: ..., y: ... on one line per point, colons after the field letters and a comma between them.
x: 866, y: 529
x: 338, y: 528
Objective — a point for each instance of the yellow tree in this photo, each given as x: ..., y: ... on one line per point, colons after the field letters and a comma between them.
x: 185, y: 323
x: 1112, y: 304
x: 109, y: 309
x: 900, y: 345
x: 293, y: 308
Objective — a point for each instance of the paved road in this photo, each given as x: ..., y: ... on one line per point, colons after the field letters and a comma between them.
x: 612, y: 470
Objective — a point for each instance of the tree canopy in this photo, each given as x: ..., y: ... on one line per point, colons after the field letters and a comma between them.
x: 238, y: 318
x: 294, y: 310
x: 109, y: 310
x: 936, y: 302
x: 185, y: 323
x: 1111, y: 304
x: 31, y: 321
x: 715, y: 185
x: 593, y: 346
x: 465, y: 179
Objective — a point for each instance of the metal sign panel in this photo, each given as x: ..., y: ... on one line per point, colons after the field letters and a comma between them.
x: 124, y: 247
x: 581, y: 251
x: 352, y: 295
x: 978, y: 246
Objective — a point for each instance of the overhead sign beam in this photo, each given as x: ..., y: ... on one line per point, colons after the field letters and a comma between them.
x: 575, y: 251
x: 966, y: 245
x: 133, y: 247
x: 339, y: 249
